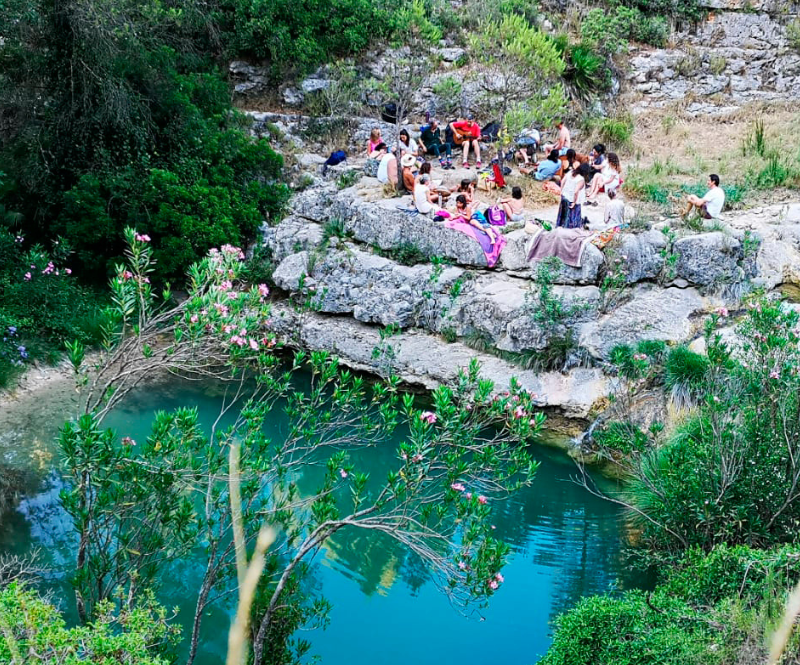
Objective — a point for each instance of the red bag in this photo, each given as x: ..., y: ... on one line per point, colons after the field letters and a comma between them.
x: 499, y: 180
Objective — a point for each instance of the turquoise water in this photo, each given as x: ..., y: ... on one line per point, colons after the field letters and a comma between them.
x: 566, y: 544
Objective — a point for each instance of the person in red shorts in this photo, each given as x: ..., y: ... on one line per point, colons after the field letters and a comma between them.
x: 469, y: 132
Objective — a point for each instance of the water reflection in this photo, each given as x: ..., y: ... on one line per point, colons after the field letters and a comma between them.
x: 565, y: 542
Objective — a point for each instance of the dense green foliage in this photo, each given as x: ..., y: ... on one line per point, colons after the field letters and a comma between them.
x: 41, y: 304
x: 32, y: 630
x: 115, y: 118
x: 710, y: 608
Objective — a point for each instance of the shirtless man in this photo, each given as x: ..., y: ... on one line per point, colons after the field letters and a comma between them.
x: 564, y: 142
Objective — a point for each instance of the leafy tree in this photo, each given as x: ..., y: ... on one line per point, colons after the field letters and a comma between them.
x: 137, y: 505
x: 115, y: 119
x: 33, y: 630
x: 523, y: 66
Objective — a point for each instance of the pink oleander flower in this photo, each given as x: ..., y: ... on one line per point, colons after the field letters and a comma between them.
x: 343, y: 473
x: 142, y: 237
x: 126, y: 275
x: 519, y: 412
x: 499, y: 577
x: 482, y: 500
x: 403, y: 456
x: 493, y: 584
x: 468, y: 495
x: 243, y: 332
x: 716, y: 399
x: 194, y: 318
x: 417, y: 458
x: 462, y: 565
x: 145, y: 280
x: 128, y: 441
x: 493, y: 527
x: 458, y: 487
x: 227, y: 329
x: 50, y: 267
x: 19, y: 239
x: 263, y: 290
x: 33, y: 266
x: 253, y: 344
x: 226, y: 286
x: 722, y: 311
x: 774, y: 374
x: 28, y: 277
x: 233, y: 295
x: 221, y: 309
x: 428, y: 417
x: 231, y: 274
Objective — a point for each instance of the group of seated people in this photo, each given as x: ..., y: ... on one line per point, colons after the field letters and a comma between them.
x: 579, y: 179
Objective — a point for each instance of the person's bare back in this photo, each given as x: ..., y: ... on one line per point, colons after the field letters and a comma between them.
x: 564, y: 138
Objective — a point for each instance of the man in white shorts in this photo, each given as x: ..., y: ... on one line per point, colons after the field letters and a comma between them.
x: 710, y: 206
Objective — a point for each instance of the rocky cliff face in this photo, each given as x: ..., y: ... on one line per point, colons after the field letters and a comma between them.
x: 740, y: 53
x: 348, y: 277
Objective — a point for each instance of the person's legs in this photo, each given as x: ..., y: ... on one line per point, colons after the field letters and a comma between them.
x: 465, y: 146
x: 391, y: 170
x: 477, y: 147
x: 692, y: 202
x: 597, y: 182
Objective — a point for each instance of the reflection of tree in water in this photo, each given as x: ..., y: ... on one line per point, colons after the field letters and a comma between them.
x: 370, y: 558
x: 558, y: 525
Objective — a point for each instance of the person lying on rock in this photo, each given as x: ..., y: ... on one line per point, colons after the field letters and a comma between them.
x: 710, y: 206
x: 430, y: 142
x: 467, y: 133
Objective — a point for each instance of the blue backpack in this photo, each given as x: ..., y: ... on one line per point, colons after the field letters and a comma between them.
x: 337, y: 157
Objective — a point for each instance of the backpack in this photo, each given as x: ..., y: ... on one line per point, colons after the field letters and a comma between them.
x: 337, y: 157
x: 423, y: 128
x: 496, y: 216
x: 489, y: 132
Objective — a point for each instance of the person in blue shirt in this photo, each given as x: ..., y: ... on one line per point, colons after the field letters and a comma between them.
x: 547, y: 169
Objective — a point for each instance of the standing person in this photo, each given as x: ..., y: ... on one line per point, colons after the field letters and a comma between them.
x: 424, y: 198
x: 431, y: 144
x: 710, y: 206
x: 614, y: 213
x: 468, y: 133
x: 573, y: 195
x: 374, y: 140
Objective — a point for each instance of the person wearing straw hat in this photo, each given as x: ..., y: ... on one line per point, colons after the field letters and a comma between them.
x: 408, y: 161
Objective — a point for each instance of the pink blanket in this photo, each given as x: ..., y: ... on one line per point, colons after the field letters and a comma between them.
x: 490, y: 250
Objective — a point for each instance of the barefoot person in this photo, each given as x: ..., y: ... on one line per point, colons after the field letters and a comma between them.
x: 710, y: 206
x: 468, y: 132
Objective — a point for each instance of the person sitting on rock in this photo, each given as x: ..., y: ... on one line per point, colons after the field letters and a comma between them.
x: 514, y: 205
x: 468, y: 132
x: 607, y: 180
x: 528, y: 146
x: 547, y: 169
x: 387, y: 167
x: 431, y: 144
x: 465, y: 187
x: 710, y: 206
x: 374, y: 140
x: 597, y: 158
x: 407, y: 162
x: 564, y: 140
x: 614, y: 213
x: 406, y: 145
x: 424, y: 199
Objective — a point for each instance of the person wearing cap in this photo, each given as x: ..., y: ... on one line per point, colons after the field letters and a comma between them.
x: 470, y: 132
x: 407, y: 161
x: 431, y: 144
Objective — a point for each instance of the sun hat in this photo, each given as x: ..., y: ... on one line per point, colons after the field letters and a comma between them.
x: 408, y: 160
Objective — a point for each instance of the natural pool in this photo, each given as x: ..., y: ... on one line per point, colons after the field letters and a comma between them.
x: 566, y: 544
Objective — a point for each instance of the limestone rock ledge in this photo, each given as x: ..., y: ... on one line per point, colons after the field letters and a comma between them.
x: 425, y: 360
